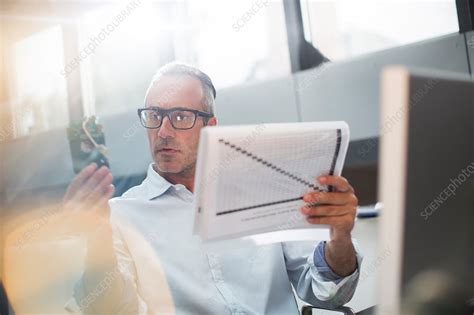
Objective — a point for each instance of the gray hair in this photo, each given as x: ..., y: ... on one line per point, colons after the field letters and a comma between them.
x: 177, y: 68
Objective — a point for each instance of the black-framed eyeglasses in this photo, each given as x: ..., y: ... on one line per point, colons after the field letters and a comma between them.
x: 181, y: 118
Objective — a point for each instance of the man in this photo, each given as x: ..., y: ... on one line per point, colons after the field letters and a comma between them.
x: 143, y: 243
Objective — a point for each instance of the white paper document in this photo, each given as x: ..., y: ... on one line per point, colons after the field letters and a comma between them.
x: 250, y: 179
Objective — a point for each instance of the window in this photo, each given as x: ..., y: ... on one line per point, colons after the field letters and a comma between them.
x: 245, y: 42
x: 233, y: 41
x: 39, y: 95
x: 122, y: 47
x: 345, y: 28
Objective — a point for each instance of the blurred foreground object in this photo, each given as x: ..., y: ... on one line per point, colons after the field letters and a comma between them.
x: 436, y: 293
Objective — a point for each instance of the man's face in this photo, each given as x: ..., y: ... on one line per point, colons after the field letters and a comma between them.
x: 175, y: 151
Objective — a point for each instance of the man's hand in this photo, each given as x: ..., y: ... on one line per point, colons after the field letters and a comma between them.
x: 87, y: 207
x: 338, y: 210
x: 86, y: 198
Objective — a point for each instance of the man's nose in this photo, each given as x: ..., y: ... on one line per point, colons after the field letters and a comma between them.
x: 166, y: 130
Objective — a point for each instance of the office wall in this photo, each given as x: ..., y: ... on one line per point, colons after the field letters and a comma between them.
x: 266, y: 102
x: 347, y: 90
x: 34, y: 162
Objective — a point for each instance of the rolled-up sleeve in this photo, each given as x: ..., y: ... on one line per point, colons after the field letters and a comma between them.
x: 87, y: 301
x: 314, y: 281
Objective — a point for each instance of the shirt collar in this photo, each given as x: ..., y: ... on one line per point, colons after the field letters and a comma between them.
x: 155, y: 185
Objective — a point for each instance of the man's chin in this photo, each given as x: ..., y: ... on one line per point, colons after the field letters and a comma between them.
x: 168, y: 168
x: 172, y: 167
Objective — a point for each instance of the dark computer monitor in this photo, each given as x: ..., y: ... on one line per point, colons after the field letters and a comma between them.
x: 426, y: 182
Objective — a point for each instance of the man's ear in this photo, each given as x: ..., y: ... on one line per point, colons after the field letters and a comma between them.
x: 212, y: 121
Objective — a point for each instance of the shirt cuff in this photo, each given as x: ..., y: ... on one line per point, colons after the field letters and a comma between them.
x: 322, y: 266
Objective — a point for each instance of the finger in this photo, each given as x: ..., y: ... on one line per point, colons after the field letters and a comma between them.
x: 110, y: 191
x: 93, y: 181
x: 332, y: 198
x: 79, y: 179
x: 325, y: 211
x: 102, y: 209
x: 100, y: 191
x: 106, y: 195
x: 104, y: 203
x: 340, y: 183
x: 334, y: 220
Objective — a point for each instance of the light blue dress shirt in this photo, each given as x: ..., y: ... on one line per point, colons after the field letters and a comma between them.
x: 153, y: 225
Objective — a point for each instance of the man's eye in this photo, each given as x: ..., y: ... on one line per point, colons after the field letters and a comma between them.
x: 182, y: 116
